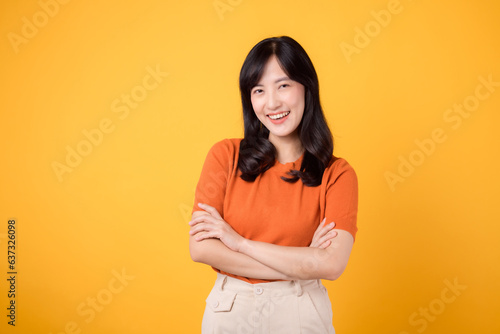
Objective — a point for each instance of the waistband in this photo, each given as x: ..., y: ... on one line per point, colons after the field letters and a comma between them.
x: 269, y: 289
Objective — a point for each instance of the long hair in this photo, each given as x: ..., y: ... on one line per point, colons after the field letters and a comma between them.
x: 257, y: 154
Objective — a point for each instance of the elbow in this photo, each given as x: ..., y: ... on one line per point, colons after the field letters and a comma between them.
x: 333, y: 276
x: 195, y: 256
x: 195, y: 252
x: 334, y: 272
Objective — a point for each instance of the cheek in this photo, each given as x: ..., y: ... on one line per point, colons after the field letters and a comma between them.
x: 301, y: 99
x: 256, y: 105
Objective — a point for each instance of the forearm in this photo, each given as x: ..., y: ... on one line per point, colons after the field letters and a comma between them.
x: 303, y: 262
x: 214, y: 242
x: 214, y: 253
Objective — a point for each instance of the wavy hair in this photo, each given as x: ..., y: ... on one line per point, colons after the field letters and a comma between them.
x: 257, y: 154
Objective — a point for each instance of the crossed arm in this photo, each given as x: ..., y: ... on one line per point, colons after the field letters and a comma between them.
x: 213, y: 242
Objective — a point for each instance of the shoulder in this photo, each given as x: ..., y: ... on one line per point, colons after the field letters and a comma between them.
x: 224, y: 152
x: 226, y: 146
x: 228, y: 143
x: 339, y: 168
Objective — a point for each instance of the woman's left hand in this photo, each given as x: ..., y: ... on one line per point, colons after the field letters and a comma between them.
x: 212, y: 225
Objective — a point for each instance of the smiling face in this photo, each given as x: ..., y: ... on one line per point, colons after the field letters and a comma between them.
x: 278, y: 102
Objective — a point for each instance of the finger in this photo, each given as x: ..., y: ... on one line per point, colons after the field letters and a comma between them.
x: 200, y: 236
x: 195, y: 221
x: 210, y: 209
x: 204, y: 226
x: 320, y: 232
x: 325, y: 244
x: 330, y: 235
x: 198, y: 228
x: 324, y: 222
x: 319, y: 228
x: 324, y: 230
x: 201, y: 219
x: 328, y: 228
x: 321, y: 224
x: 205, y: 235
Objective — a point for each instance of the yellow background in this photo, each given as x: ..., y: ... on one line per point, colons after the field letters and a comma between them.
x: 126, y: 205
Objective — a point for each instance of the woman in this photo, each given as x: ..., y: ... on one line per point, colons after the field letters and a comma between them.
x: 275, y: 211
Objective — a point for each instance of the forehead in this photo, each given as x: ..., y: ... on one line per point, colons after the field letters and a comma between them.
x: 272, y: 71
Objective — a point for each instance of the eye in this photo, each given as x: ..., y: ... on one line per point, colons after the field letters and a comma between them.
x: 285, y: 85
x: 257, y: 91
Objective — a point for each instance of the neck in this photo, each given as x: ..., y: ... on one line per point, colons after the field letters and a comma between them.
x: 288, y: 149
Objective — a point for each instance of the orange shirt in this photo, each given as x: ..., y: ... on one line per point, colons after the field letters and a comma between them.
x: 270, y: 209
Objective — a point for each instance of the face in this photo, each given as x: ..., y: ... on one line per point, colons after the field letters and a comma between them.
x: 278, y: 102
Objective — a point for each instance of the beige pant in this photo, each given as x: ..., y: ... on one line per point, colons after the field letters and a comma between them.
x: 289, y: 307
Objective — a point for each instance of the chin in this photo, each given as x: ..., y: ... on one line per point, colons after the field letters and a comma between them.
x: 282, y: 134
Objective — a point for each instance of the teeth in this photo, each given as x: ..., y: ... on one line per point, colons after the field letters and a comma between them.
x: 278, y: 116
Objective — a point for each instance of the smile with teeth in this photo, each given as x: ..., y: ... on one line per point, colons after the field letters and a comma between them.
x: 278, y: 116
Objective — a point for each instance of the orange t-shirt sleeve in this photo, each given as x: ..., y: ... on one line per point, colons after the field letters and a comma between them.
x: 342, y: 198
x: 211, y: 188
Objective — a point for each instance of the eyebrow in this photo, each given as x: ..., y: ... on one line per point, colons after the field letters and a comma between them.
x: 277, y: 80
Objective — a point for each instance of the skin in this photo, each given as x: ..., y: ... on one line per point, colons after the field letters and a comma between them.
x: 214, y: 242
x: 274, y: 93
x: 212, y: 251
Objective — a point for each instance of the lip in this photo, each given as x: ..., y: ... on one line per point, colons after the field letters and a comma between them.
x: 278, y: 121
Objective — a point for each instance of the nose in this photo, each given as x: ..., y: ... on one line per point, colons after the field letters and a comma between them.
x: 273, y: 101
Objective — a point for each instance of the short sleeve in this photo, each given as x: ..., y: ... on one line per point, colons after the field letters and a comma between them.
x: 341, y: 199
x: 211, y: 187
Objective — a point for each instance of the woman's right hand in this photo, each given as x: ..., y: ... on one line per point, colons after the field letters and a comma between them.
x: 323, y: 235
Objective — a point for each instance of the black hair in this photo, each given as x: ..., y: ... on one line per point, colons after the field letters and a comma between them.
x: 257, y: 154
